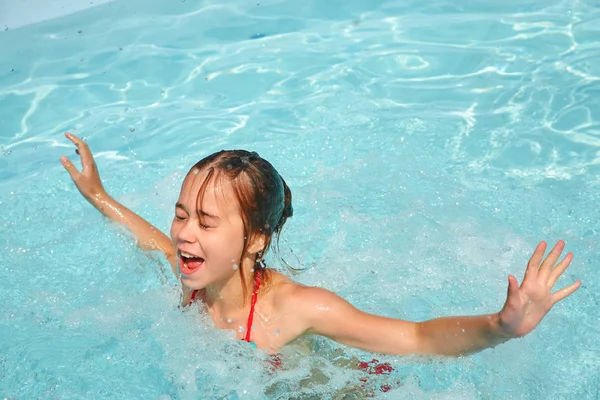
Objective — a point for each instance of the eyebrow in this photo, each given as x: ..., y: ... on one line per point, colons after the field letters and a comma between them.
x: 201, y: 212
x: 205, y: 214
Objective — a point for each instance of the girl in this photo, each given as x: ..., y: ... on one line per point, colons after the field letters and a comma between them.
x: 231, y: 207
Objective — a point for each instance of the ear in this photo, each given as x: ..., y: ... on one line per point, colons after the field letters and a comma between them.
x: 257, y: 244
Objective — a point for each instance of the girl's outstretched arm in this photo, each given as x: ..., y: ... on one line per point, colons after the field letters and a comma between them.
x: 325, y: 313
x: 90, y: 186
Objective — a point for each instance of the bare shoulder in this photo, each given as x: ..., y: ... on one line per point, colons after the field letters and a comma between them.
x: 302, y: 300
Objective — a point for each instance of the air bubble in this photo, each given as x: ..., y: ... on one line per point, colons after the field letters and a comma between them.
x: 131, y: 129
x: 228, y: 320
x: 276, y: 332
x: 235, y: 267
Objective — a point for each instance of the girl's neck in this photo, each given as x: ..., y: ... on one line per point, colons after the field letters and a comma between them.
x: 227, y: 297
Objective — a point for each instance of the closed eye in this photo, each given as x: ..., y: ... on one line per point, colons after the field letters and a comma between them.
x: 204, y: 226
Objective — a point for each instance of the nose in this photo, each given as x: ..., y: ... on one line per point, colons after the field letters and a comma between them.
x: 188, y: 232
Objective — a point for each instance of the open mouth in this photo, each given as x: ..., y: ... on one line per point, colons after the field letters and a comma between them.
x: 189, y: 263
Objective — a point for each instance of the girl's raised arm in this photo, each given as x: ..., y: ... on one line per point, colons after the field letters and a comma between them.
x: 90, y: 186
x: 325, y: 313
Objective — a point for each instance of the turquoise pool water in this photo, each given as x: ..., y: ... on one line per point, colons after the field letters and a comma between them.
x: 428, y: 145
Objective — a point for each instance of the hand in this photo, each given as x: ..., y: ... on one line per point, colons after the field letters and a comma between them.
x: 526, y: 305
x: 88, y: 180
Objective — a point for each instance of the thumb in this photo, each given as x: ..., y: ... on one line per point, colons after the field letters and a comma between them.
x: 513, y: 286
x: 70, y: 167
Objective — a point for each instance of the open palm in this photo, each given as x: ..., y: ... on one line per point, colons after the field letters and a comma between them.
x: 526, y: 305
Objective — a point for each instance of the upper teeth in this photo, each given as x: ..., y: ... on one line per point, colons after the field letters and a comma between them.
x: 186, y: 255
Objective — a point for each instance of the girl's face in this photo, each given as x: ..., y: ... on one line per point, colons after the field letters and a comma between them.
x: 208, y: 237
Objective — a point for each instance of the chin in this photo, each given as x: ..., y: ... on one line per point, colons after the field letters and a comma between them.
x: 191, y: 283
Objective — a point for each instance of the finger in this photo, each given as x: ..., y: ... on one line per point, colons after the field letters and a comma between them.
x: 83, y: 150
x: 535, y: 260
x: 559, y: 269
x: 73, y: 172
x: 72, y: 138
x: 565, y: 292
x: 549, y: 262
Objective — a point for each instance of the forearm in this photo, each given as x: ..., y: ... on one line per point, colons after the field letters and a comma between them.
x: 457, y: 336
x: 148, y: 236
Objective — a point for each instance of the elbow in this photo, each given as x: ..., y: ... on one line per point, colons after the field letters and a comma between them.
x: 423, y: 343
x: 428, y: 343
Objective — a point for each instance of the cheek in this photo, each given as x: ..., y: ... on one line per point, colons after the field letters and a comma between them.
x: 229, y: 245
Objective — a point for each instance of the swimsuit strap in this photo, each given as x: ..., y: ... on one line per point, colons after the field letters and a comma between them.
x: 257, y: 277
x: 193, y: 297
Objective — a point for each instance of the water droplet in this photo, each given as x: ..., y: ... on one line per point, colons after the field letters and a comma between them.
x: 5, y: 28
x: 228, y: 320
x: 463, y: 330
x: 235, y: 267
x: 241, y: 329
x: 12, y: 70
x: 80, y: 31
x: 276, y: 332
x: 131, y: 129
x: 196, y: 171
x: 120, y: 49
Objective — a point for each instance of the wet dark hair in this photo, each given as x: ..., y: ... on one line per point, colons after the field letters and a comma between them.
x: 264, y: 199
